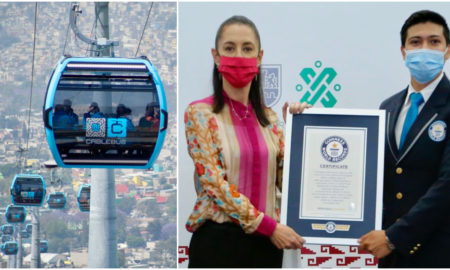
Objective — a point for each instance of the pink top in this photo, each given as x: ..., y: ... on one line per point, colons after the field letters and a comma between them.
x: 238, y: 165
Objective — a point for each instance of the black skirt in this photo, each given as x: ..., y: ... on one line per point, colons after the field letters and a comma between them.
x: 226, y: 245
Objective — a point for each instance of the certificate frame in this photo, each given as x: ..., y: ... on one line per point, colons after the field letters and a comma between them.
x: 299, y: 209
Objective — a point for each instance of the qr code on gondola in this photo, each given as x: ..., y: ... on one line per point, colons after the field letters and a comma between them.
x: 95, y: 127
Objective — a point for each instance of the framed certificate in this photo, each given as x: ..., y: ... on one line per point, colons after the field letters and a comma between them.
x: 333, y: 174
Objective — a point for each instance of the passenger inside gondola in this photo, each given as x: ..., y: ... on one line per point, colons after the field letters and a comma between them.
x: 84, y: 198
x: 60, y: 119
x: 94, y: 112
x: 64, y: 117
x: 125, y: 112
x: 69, y: 111
x: 16, y: 190
x: 151, y: 118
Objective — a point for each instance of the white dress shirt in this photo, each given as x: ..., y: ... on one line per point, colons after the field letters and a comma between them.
x: 426, y: 93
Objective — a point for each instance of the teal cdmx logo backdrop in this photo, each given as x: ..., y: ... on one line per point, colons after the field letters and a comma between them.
x: 318, y: 85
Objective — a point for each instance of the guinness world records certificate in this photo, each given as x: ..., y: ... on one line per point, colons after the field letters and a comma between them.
x: 333, y: 174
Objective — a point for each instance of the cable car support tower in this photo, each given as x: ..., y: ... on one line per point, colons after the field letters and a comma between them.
x: 102, y: 217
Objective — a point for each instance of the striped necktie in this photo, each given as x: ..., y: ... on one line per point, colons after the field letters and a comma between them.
x: 416, y: 101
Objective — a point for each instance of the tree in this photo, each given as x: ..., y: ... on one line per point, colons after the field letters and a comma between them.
x: 120, y: 226
x: 84, y: 234
x: 134, y: 238
x: 149, y: 208
x: 126, y: 204
x: 154, y: 228
x: 59, y: 236
x: 134, y: 231
x: 56, y: 228
x: 79, y: 226
x: 5, y: 200
x: 135, y: 242
x: 168, y: 230
x: 8, y: 171
x: 171, y: 207
x: 166, y: 252
x: 121, y: 260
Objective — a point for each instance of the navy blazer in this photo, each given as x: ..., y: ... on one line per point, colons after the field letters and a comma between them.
x: 416, y: 199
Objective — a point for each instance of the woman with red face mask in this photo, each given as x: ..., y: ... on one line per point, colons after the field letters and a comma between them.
x: 237, y: 145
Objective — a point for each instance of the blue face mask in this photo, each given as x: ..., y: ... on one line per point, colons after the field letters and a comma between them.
x: 424, y: 64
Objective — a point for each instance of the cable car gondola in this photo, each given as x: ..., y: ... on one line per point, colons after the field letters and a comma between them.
x: 15, y: 214
x: 7, y: 229
x: 43, y: 246
x: 29, y: 228
x: 24, y: 234
x: 84, y: 197
x: 10, y: 248
x: 6, y: 238
x: 56, y: 200
x: 105, y: 113
x: 28, y: 189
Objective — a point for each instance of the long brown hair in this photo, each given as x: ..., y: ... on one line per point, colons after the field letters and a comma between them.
x: 255, y: 95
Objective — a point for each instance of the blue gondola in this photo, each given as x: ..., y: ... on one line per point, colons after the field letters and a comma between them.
x: 10, y: 248
x: 28, y: 189
x: 25, y: 234
x: 15, y: 214
x: 29, y: 228
x: 105, y: 113
x: 56, y: 200
x: 6, y: 238
x: 7, y: 229
x: 84, y: 197
x: 44, y: 246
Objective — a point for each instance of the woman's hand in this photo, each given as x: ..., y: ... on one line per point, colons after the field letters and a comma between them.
x: 295, y: 108
x: 286, y: 238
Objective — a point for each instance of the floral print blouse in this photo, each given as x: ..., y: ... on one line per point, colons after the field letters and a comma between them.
x: 238, y: 165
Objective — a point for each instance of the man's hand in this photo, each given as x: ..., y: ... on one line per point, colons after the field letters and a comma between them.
x: 375, y: 242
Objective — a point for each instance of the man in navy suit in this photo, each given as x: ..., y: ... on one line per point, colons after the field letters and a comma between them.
x: 416, y: 203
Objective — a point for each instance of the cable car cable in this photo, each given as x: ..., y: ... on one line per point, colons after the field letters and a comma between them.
x: 102, y: 48
x: 32, y: 77
x: 92, y: 31
x: 67, y: 34
x: 99, y: 19
x: 143, y: 31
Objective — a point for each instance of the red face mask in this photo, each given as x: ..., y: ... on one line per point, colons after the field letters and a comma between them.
x: 238, y: 71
